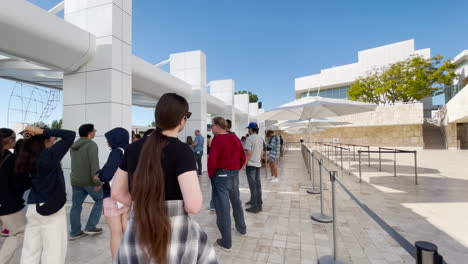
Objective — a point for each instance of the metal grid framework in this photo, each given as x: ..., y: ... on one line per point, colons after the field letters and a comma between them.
x: 31, y: 104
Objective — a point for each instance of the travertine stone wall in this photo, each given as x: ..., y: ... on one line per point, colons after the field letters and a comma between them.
x: 450, y: 131
x: 386, y: 115
x: 386, y: 136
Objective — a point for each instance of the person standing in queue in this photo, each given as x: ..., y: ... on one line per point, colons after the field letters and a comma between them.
x: 274, y: 147
x: 254, y: 147
x: 45, y: 238
x: 198, y: 144
x: 12, y: 188
x: 227, y: 157
x: 158, y: 179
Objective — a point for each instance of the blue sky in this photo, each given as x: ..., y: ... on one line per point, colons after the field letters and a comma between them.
x: 263, y: 45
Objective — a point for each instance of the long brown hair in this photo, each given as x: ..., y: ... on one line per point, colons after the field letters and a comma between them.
x: 153, y: 227
x: 29, y: 154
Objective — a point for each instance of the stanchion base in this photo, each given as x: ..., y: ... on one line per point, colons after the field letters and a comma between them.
x: 321, y: 218
x: 329, y: 260
x: 314, y: 190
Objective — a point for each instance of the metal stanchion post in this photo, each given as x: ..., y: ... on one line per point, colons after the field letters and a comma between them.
x: 426, y: 253
x: 349, y: 160
x: 415, y: 167
x: 380, y: 160
x: 266, y: 165
x: 332, y: 259
x: 341, y: 154
x: 321, y: 217
x: 394, y: 163
x: 360, y: 172
x: 314, y: 189
x: 368, y: 155
x: 354, y: 152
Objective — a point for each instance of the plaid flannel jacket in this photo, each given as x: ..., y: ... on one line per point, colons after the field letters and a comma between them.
x: 275, y: 147
x: 189, y: 243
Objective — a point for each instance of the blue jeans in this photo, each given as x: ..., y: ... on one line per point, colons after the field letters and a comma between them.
x: 78, y: 197
x: 255, y: 186
x: 226, y: 193
x: 198, y: 159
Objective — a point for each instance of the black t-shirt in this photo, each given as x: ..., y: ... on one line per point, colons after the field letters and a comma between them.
x: 177, y: 159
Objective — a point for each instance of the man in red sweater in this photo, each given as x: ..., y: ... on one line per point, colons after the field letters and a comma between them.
x: 226, y: 158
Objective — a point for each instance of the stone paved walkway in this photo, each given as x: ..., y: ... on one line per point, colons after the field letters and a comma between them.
x: 284, y: 232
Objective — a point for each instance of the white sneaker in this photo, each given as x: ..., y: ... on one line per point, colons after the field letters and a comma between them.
x: 274, y: 180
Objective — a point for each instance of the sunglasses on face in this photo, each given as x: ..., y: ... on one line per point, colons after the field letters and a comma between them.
x: 189, y: 114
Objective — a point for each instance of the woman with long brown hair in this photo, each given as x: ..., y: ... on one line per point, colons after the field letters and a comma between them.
x: 12, y: 188
x: 158, y: 179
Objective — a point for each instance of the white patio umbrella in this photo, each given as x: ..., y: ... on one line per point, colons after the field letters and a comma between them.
x: 316, y: 107
x: 303, y: 130
x: 321, y: 122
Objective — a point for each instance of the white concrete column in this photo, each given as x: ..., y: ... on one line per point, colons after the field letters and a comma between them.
x: 224, y: 91
x: 253, y: 111
x: 241, y: 102
x: 261, y: 124
x: 191, y: 67
x: 100, y: 92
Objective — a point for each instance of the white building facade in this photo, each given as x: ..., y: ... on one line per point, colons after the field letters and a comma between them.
x: 335, y: 82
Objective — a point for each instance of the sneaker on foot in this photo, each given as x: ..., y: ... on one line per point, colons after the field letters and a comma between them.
x: 219, y: 244
x: 253, y: 210
x: 5, y: 233
x: 240, y: 234
x: 274, y: 180
x: 81, y: 234
x: 94, y: 231
x: 248, y: 203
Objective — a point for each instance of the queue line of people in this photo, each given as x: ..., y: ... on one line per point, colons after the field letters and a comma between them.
x: 145, y: 190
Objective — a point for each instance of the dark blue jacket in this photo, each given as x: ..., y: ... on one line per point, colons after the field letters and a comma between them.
x: 48, y: 181
x: 12, y: 185
x: 117, y: 138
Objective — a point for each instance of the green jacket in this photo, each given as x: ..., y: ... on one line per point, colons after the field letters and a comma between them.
x: 84, y: 163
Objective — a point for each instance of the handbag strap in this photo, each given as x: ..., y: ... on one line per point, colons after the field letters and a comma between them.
x: 123, y: 151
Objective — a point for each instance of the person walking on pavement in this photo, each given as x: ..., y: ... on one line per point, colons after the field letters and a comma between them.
x: 226, y: 159
x: 84, y: 168
x: 116, y: 213
x: 198, y: 144
x: 254, y: 146
x: 274, y: 147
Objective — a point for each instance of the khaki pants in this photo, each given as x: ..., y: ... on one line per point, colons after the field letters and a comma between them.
x: 15, y: 223
x: 45, y: 238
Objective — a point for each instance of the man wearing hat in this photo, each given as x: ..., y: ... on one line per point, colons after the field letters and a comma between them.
x: 254, y: 148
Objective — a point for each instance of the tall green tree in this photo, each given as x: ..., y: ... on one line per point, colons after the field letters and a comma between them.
x: 404, y: 81
x: 253, y: 98
x: 56, y: 124
x: 40, y: 124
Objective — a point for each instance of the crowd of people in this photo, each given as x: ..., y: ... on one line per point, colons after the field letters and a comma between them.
x: 146, y: 190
